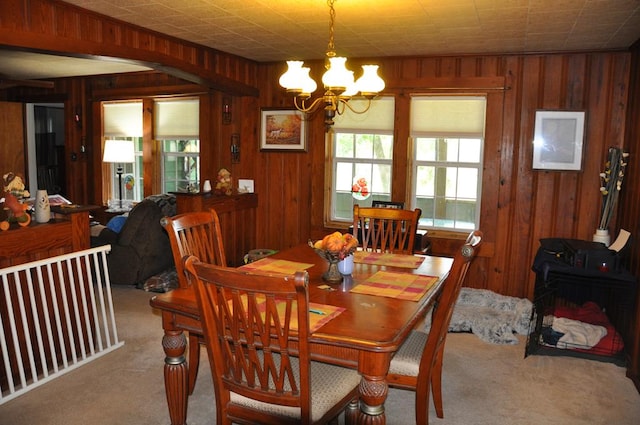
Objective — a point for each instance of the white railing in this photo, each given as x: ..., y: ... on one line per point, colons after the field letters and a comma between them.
x: 55, y: 315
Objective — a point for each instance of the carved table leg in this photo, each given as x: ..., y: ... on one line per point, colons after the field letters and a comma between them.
x: 175, y: 375
x: 373, y: 393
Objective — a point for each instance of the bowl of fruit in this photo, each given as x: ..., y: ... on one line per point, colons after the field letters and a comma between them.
x: 334, y: 247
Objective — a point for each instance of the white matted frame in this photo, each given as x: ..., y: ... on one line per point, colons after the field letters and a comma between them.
x: 558, y: 140
x: 282, y: 130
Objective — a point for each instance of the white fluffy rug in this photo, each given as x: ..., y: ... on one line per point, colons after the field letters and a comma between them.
x: 492, y: 317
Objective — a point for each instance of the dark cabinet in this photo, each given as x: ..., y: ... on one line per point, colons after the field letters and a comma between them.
x: 237, y: 215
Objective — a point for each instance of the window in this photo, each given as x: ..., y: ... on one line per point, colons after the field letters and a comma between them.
x: 123, y: 121
x: 448, y: 139
x: 132, y: 184
x: 180, y: 165
x: 177, y: 127
x: 177, y: 131
x: 361, y: 157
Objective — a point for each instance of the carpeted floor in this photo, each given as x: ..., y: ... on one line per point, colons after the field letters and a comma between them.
x: 483, y: 384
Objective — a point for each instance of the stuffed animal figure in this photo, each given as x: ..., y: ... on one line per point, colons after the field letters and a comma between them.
x: 17, y: 212
x: 13, y: 188
x: 223, y: 185
x: 14, y: 184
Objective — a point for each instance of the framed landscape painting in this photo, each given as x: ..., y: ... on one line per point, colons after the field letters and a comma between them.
x: 282, y: 130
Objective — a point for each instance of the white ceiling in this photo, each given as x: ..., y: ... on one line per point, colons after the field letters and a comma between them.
x: 277, y: 30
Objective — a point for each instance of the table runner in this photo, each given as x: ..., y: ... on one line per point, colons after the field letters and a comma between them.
x: 388, y: 259
x: 404, y: 286
x: 274, y: 265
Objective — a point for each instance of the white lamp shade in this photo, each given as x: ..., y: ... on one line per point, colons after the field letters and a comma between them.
x: 370, y: 82
x: 119, y: 151
x: 338, y: 77
x: 290, y: 80
x: 308, y: 85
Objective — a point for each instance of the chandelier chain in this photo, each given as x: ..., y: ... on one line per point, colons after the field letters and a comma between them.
x: 331, y: 48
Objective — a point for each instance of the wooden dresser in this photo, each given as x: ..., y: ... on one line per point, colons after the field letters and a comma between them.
x: 67, y: 232
x: 237, y: 215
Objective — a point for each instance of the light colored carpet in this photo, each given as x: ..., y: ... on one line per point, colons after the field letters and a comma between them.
x: 483, y: 384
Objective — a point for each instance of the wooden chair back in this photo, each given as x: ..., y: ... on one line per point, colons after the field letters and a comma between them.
x: 195, y: 233
x: 443, y: 310
x: 256, y: 328
x: 386, y: 229
x: 429, y: 377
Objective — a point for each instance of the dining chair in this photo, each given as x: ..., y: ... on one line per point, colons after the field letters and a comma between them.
x: 417, y: 365
x: 194, y: 233
x: 256, y: 329
x: 386, y: 229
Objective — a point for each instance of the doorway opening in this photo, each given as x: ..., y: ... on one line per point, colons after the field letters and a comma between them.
x: 45, y: 146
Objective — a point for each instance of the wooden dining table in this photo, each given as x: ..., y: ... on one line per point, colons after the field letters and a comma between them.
x: 364, y: 336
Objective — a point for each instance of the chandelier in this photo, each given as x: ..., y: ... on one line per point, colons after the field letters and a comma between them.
x: 338, y: 82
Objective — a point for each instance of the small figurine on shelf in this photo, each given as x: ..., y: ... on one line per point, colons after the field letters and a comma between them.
x: 223, y: 183
x: 13, y: 191
x: 14, y: 184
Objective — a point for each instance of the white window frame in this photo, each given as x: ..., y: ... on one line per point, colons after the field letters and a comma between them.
x: 124, y: 125
x: 129, y: 169
x: 331, y: 214
x: 428, y: 220
x: 372, y: 195
x: 182, y: 184
x: 178, y: 120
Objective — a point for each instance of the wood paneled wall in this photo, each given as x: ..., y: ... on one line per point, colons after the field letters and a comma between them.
x: 519, y: 205
x: 13, y: 154
x: 629, y: 209
x: 55, y: 26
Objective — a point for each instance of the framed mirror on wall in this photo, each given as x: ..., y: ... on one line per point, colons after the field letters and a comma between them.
x: 558, y: 140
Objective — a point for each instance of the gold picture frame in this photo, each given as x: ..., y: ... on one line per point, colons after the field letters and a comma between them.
x: 282, y: 130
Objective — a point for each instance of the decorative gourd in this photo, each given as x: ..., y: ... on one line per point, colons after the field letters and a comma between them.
x: 334, y: 243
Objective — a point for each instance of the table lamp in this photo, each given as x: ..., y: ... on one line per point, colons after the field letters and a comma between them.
x: 119, y: 152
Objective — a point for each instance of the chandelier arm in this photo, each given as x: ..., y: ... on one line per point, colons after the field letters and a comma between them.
x: 357, y: 111
x: 306, y: 109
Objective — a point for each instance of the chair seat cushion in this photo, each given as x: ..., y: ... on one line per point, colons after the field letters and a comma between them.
x: 329, y: 385
x: 407, y: 360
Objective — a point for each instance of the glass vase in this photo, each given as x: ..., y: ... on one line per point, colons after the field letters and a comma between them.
x: 332, y: 275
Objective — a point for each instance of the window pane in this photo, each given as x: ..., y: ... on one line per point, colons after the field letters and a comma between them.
x: 344, y: 176
x: 467, y: 183
x: 381, y: 178
x: 344, y: 145
x: 425, y: 149
x: 470, y: 150
x: 364, y: 146
x: 451, y: 149
x: 425, y: 179
x: 452, y: 182
x: 382, y: 147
